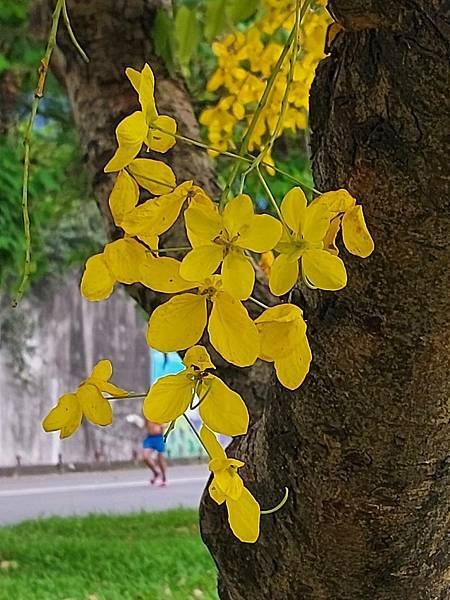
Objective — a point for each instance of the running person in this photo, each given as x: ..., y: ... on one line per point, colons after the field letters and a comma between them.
x: 153, y: 453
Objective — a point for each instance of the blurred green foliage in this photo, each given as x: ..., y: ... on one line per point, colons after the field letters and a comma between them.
x: 65, y: 224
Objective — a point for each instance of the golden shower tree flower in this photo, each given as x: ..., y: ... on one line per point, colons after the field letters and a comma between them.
x: 87, y: 401
x: 283, y: 340
x: 244, y: 512
x: 220, y: 408
x: 179, y: 323
x: 127, y: 261
x: 142, y: 126
x: 301, y: 249
x: 349, y: 217
x: 222, y: 239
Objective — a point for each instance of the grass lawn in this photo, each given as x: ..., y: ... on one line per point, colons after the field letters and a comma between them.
x: 147, y: 556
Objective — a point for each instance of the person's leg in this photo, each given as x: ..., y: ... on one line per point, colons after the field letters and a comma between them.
x: 147, y: 457
x: 162, y: 464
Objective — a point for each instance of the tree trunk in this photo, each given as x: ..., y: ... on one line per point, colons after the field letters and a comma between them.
x: 364, y: 444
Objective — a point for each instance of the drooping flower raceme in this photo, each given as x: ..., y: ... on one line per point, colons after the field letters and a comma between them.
x: 220, y: 408
x: 301, y: 249
x: 283, y: 341
x: 227, y: 486
x: 223, y: 239
x: 143, y: 126
x: 88, y: 400
x: 180, y: 323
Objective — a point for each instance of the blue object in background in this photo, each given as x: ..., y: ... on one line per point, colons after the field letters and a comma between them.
x: 164, y: 364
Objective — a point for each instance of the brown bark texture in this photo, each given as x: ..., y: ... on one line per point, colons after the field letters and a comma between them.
x: 364, y: 444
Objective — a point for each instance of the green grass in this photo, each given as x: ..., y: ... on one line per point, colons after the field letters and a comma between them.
x: 147, y: 556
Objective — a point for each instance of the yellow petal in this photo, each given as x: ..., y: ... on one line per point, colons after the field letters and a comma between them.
x: 124, y: 197
x: 292, y: 369
x: 324, y: 270
x: 162, y: 141
x: 355, y: 234
x: 201, y: 262
x: 337, y: 201
x: 124, y: 258
x: 329, y: 241
x: 134, y: 77
x: 94, y: 406
x: 198, y: 356
x: 283, y: 275
x: 231, y: 331
x: 211, y: 443
x: 262, y: 234
x: 110, y: 388
x: 168, y: 398
x: 178, y: 323
x: 217, y: 495
x: 122, y: 157
x: 227, y: 480
x: 66, y: 416
x: 132, y: 130
x: 203, y: 224
x: 244, y: 517
x: 316, y: 222
x: 97, y: 282
x: 293, y: 209
x: 102, y: 370
x: 146, y: 94
x: 153, y: 175
x: 163, y: 275
x: 238, y: 275
x: 237, y: 213
x: 222, y: 409
x: 280, y: 328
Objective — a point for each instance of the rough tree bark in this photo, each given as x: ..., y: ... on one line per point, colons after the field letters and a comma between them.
x: 364, y: 444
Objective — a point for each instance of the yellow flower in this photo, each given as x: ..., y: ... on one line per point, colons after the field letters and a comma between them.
x: 303, y: 243
x: 223, y: 238
x: 88, y: 400
x: 221, y: 409
x: 283, y: 341
x: 127, y: 261
x: 151, y: 218
x: 227, y: 486
x: 143, y: 126
x: 179, y: 323
x: 348, y: 216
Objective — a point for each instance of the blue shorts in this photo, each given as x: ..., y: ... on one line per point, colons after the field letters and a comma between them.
x: 154, y: 442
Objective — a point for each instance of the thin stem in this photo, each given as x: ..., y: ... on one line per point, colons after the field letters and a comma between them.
x: 127, y: 397
x: 247, y: 159
x: 173, y: 249
x: 73, y: 39
x: 196, y: 434
x: 38, y: 94
x: 270, y: 196
x: 200, y: 400
x: 169, y: 430
x: 261, y: 304
x: 276, y: 508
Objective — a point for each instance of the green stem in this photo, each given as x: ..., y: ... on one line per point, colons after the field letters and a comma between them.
x: 38, y: 94
x: 276, y: 508
x: 195, y: 432
x: 271, y: 197
x: 73, y: 39
x: 261, y: 304
x: 127, y: 397
x: 173, y: 249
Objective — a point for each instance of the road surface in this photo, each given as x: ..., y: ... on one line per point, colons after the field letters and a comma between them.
x: 125, y: 491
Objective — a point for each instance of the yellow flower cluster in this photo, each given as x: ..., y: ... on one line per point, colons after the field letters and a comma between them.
x: 208, y: 288
x: 246, y: 60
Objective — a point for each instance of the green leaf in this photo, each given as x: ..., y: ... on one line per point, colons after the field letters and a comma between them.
x: 187, y: 34
x: 241, y: 10
x: 4, y: 63
x: 216, y: 20
x: 163, y: 38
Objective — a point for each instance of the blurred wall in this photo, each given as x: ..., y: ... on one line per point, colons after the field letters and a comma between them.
x: 47, y: 347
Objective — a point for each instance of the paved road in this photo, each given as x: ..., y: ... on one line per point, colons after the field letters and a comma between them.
x: 33, y: 496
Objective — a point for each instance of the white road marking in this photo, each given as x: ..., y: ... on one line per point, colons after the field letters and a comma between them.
x: 92, y: 486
